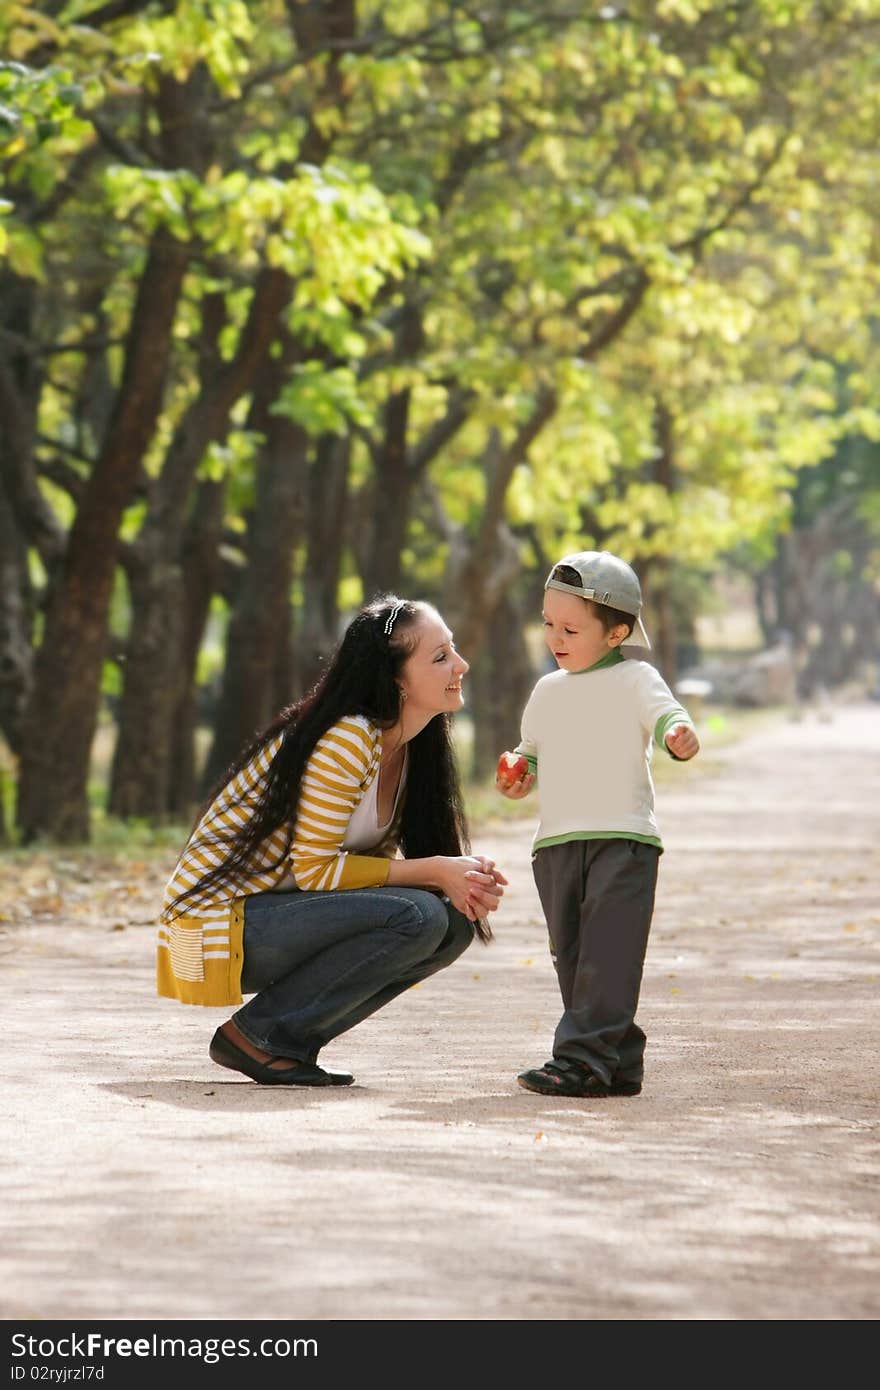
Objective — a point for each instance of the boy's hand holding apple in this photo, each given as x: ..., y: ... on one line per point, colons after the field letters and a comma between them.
x: 512, y: 776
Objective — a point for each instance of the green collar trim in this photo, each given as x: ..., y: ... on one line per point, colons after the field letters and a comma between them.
x: 612, y: 658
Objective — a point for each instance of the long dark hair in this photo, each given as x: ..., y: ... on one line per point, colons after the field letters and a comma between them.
x: 361, y: 678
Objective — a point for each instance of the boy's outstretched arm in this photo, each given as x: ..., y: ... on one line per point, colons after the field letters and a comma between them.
x: 682, y: 742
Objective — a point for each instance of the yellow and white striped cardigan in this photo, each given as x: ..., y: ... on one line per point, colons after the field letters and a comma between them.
x: 199, y: 956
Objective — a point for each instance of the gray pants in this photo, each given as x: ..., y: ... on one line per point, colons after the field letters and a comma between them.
x: 598, y: 898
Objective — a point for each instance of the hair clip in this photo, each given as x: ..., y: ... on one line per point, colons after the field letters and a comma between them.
x: 394, y: 612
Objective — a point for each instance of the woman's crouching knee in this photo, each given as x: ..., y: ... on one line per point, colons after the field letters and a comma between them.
x: 421, y: 914
x: 459, y: 933
x: 442, y: 929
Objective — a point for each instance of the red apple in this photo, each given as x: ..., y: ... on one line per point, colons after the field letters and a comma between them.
x: 511, y: 767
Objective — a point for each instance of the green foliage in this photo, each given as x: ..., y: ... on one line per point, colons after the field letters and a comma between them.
x: 322, y: 401
x: 234, y: 458
x: 210, y: 661
x: 111, y: 679
x: 216, y: 33
x: 659, y: 217
x: 328, y: 228
x: 39, y: 128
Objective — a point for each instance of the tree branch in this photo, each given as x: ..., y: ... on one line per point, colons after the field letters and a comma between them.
x: 616, y: 322
x: 694, y: 242
x: 124, y: 150
x: 441, y: 431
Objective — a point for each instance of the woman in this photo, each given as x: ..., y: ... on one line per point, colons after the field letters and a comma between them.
x: 331, y: 869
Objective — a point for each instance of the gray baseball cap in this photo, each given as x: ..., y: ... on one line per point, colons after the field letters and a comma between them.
x: 605, y: 578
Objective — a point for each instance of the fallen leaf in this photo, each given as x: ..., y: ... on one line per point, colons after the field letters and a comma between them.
x: 47, y: 905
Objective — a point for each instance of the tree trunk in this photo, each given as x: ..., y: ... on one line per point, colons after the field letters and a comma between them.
x: 327, y: 505
x: 15, y: 643
x: 390, y: 505
x: 141, y: 762
x: 16, y: 618
x: 26, y: 519
x: 501, y: 680
x: 62, y: 713
x: 660, y: 619
x: 261, y: 616
x: 482, y: 567
x: 764, y: 605
x: 141, y: 775
x: 201, y: 566
x: 656, y: 574
x: 21, y: 383
x: 395, y: 470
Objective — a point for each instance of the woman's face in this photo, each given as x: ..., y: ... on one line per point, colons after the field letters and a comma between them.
x: 432, y: 674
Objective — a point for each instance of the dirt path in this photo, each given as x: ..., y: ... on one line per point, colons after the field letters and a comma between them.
x: 742, y: 1184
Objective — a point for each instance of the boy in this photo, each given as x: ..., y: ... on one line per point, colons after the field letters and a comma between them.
x: 588, y: 731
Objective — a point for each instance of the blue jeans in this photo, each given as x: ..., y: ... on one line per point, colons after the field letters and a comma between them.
x: 318, y: 963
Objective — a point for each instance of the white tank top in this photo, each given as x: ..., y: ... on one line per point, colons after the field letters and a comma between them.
x: 364, y: 831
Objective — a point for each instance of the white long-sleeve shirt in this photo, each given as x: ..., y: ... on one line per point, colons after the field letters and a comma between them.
x: 590, y: 735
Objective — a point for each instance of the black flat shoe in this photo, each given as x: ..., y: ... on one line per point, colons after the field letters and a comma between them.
x: 224, y: 1052
x: 566, y: 1077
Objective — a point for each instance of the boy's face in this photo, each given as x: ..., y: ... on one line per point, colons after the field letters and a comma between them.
x: 574, y: 633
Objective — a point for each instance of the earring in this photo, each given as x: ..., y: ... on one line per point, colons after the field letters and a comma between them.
x: 402, y: 696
